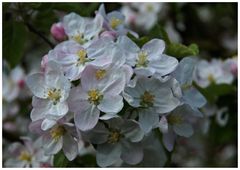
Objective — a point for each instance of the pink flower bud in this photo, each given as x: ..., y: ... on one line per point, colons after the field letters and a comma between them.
x: 44, y: 63
x: 110, y: 34
x: 234, y: 69
x: 58, y: 32
x: 21, y: 83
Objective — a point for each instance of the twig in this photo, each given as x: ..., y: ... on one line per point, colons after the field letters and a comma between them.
x: 32, y: 29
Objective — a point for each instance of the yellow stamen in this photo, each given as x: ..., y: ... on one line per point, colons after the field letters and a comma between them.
x: 114, y: 137
x: 25, y: 156
x: 82, y: 54
x: 94, y: 96
x: 54, y: 95
x: 149, y: 8
x: 175, y: 119
x: 115, y: 22
x: 57, y: 132
x: 142, y: 59
x: 100, y: 74
x: 79, y: 38
x: 211, y: 78
x: 147, y: 99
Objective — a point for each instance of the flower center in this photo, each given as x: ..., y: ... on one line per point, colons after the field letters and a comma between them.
x: 210, y: 78
x: 79, y: 38
x: 25, y: 156
x: 57, y: 132
x: 115, y: 22
x: 147, y: 99
x: 175, y: 119
x: 142, y: 59
x: 94, y: 96
x: 149, y: 8
x: 54, y: 95
x: 100, y: 74
x: 114, y: 136
x: 82, y: 57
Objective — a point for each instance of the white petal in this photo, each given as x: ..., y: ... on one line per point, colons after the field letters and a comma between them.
x: 183, y: 129
x: 111, y: 104
x: 36, y: 84
x: 165, y: 65
x: 70, y: 147
x: 87, y: 118
x: 47, y: 124
x: 154, y: 48
x: 163, y: 124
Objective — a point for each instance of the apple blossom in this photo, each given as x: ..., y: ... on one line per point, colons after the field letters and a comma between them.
x: 50, y: 90
x: 115, y: 139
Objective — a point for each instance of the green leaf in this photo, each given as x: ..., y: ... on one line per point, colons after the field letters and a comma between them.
x: 159, y: 32
x: 60, y: 160
x: 14, y: 40
x: 179, y: 50
x: 213, y: 91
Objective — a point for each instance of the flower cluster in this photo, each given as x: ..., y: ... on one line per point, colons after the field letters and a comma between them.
x: 216, y: 71
x: 143, y: 15
x: 99, y: 86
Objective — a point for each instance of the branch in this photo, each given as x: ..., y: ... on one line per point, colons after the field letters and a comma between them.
x: 32, y: 29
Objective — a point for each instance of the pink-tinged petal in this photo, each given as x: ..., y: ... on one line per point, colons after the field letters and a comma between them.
x: 72, y: 23
x: 87, y: 118
x: 35, y: 83
x: 88, y: 79
x: 169, y: 140
x: 35, y: 127
x: 94, y: 27
x: 111, y: 104
x: 40, y: 108
x: 128, y: 72
x: 109, y: 34
x: 44, y: 63
x: 57, y: 111
x: 52, y: 146
x: 154, y: 48
x: 163, y: 124
x: 77, y: 99
x: 70, y: 147
x: 115, y: 83
x: 47, y: 124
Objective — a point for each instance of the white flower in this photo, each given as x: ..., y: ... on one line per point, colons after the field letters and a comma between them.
x: 152, y: 98
x: 212, y: 72
x: 149, y: 60
x: 73, y: 57
x: 147, y: 15
x: 50, y: 90
x: 99, y: 91
x: 231, y: 65
x: 148, y: 7
x: 13, y: 83
x: 28, y: 155
x: 81, y: 29
x: 130, y: 15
